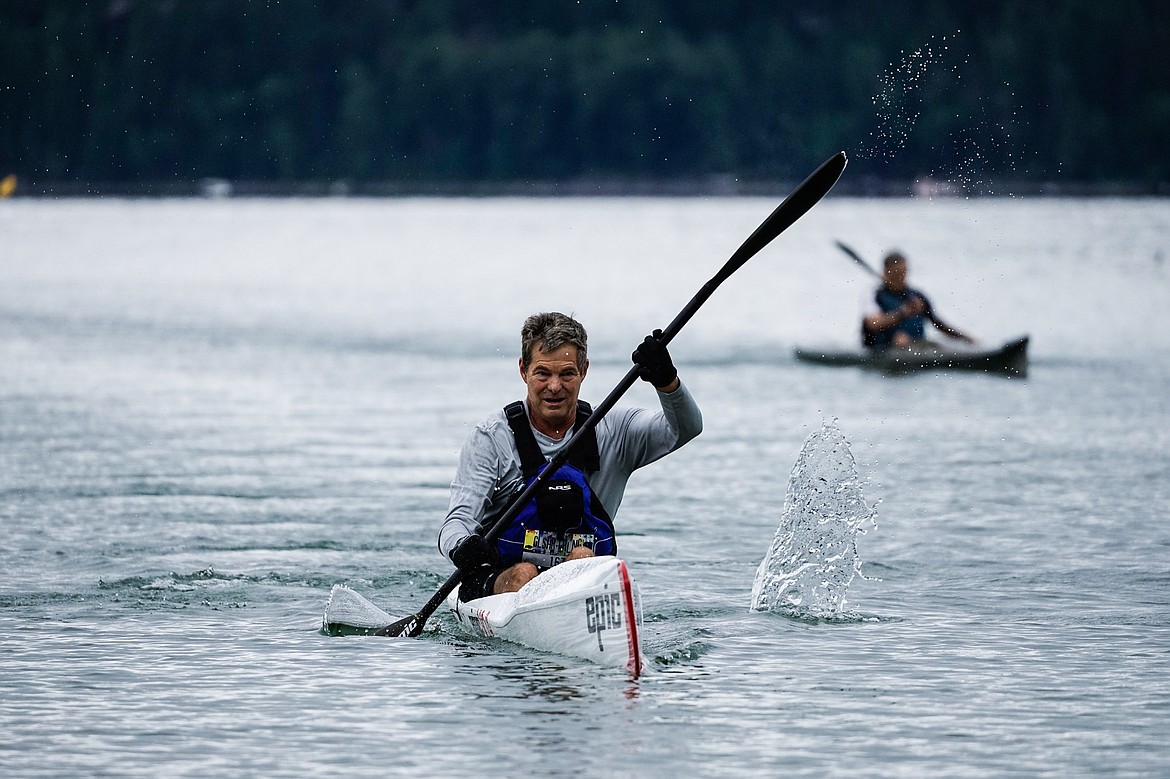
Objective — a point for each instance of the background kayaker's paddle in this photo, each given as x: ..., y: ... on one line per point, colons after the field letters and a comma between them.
x: 804, y: 197
x: 857, y: 258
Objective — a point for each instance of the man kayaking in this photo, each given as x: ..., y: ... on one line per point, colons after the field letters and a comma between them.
x: 571, y: 514
x: 900, y: 312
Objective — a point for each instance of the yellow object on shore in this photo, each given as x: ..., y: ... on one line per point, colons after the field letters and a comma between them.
x: 8, y: 185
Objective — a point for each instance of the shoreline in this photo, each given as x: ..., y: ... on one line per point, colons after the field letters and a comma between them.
x: 711, y: 186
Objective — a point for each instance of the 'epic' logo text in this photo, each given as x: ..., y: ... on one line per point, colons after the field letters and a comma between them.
x: 603, y: 612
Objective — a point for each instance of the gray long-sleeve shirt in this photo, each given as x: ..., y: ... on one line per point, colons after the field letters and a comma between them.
x: 489, y: 472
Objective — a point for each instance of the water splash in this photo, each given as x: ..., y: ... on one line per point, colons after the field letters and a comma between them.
x: 898, y: 103
x: 982, y: 144
x: 813, y: 557
x: 982, y: 138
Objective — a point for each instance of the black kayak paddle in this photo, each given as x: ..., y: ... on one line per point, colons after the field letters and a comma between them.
x: 801, y: 199
x: 857, y: 258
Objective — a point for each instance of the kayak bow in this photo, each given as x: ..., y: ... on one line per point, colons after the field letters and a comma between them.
x: 589, y: 608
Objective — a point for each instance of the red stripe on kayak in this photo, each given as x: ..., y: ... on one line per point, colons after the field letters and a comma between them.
x: 635, y: 663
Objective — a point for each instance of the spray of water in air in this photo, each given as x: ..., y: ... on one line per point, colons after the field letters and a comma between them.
x: 978, y: 139
x: 813, y: 557
x: 898, y: 102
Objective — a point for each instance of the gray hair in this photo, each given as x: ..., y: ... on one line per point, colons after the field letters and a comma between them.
x: 552, y: 331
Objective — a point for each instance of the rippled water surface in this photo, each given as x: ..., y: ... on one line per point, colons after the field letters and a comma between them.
x: 213, y: 411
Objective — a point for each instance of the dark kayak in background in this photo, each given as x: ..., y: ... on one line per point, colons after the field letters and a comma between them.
x: 1011, y: 359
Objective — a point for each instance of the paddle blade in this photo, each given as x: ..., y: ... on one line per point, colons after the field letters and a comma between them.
x: 857, y: 258
x: 347, y: 613
x: 801, y: 199
x: 804, y: 197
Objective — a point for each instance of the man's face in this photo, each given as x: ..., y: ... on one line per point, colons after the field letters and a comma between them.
x: 895, y: 276
x: 554, y: 382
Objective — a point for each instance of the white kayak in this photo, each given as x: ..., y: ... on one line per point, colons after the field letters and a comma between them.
x: 588, y: 608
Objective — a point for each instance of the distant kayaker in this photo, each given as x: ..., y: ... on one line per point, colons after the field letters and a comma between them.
x: 572, y: 513
x: 900, y: 312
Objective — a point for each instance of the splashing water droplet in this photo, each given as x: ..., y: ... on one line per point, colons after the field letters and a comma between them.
x: 813, y: 556
x: 977, y: 143
x: 897, y: 111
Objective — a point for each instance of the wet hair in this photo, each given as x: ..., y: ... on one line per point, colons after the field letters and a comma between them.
x: 893, y: 258
x: 552, y: 331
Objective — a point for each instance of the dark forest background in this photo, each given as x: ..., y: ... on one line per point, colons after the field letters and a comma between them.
x: 415, y: 94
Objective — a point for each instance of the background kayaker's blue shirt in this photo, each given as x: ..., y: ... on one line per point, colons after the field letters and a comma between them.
x: 887, y: 300
x: 489, y: 473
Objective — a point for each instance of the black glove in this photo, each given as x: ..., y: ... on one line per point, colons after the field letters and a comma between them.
x: 472, y: 553
x: 653, y: 361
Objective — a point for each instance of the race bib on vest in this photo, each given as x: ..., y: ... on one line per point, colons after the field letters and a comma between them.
x: 545, y: 548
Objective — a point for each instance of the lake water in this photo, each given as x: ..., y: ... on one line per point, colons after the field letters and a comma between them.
x: 211, y: 411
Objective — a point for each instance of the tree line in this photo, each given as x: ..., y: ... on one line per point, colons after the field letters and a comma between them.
x: 542, y: 90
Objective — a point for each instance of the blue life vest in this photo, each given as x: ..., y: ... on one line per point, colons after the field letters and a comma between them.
x: 564, y: 513
x: 888, y: 300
